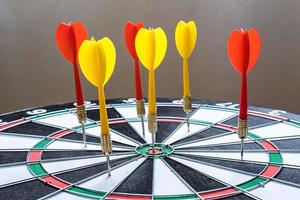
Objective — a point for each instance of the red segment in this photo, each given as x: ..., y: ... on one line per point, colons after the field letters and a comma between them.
x: 226, y: 127
x: 55, y: 182
x: 258, y: 114
x: 128, y: 197
x: 271, y: 171
x: 34, y: 156
x: 217, y: 194
x: 12, y: 124
x: 61, y: 134
x: 117, y: 122
x: 268, y: 146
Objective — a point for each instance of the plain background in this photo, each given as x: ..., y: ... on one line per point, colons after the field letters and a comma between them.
x: 33, y: 73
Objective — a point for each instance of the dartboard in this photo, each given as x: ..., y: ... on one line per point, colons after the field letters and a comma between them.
x: 42, y: 155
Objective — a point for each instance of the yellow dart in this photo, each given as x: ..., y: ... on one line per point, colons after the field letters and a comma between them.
x: 97, y: 61
x: 151, y: 47
x: 185, y: 39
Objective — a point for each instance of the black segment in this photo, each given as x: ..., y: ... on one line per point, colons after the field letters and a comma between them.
x: 195, y: 179
x: 92, y: 139
x: 125, y: 129
x: 83, y: 173
x: 78, y: 137
x: 289, y: 174
x: 140, y: 181
x: 68, y: 154
x: 202, y: 134
x: 239, y: 197
x: 12, y: 156
x: 27, y: 190
x: 243, y: 166
x: 252, y: 121
x: 170, y: 111
x: 164, y: 129
x: 247, y: 146
x: 291, y: 144
x: 94, y: 114
x: 31, y: 128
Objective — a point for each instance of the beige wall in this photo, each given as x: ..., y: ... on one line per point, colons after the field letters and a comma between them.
x: 33, y: 73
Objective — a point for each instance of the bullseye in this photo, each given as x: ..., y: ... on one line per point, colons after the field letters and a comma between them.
x: 158, y: 150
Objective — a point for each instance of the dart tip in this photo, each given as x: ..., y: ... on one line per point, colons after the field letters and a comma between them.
x: 108, y: 164
x: 83, y: 134
x: 143, y: 126
x: 242, y: 148
x: 188, y: 121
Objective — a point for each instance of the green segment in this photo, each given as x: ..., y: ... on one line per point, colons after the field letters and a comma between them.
x: 88, y: 125
x: 176, y: 197
x: 86, y: 192
x: 143, y: 149
x: 275, y: 157
x: 254, y: 137
x: 42, y: 144
x: 37, y: 169
x: 50, y: 114
x: 252, y: 183
x: 294, y: 123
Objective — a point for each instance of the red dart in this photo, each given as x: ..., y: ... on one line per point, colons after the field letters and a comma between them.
x: 68, y: 39
x: 243, y: 51
x: 130, y: 34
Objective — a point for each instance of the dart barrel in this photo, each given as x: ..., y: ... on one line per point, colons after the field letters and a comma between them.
x: 242, y: 128
x: 81, y: 113
x: 140, y: 108
x: 187, y: 104
x: 152, y: 123
x: 106, y: 143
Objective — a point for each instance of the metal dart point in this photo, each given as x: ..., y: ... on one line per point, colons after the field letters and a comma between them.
x: 108, y: 164
x: 242, y: 148
x: 143, y: 126
x: 83, y: 134
x: 188, y: 121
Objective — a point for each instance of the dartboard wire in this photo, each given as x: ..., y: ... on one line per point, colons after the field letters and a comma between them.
x: 181, y: 179
x: 58, y: 139
x: 220, y: 181
x: 241, y: 171
x: 246, y: 142
x: 64, y: 159
x: 211, y: 125
x: 89, y: 178
x: 181, y: 124
x: 121, y: 182
x: 128, y: 121
x: 229, y: 133
x: 35, y: 177
x: 232, y: 117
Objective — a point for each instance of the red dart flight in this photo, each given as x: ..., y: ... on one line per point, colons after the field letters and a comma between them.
x: 243, y: 51
x: 68, y: 39
x: 130, y: 34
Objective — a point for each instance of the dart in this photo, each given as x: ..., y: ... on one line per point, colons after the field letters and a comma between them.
x: 185, y: 39
x: 130, y: 35
x: 243, y: 50
x: 151, y: 47
x: 68, y: 39
x: 97, y: 61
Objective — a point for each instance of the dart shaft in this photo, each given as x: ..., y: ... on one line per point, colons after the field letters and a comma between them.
x: 103, y: 112
x: 186, y: 79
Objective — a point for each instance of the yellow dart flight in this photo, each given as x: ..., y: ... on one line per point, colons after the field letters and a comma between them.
x: 151, y: 47
x: 97, y: 61
x: 185, y: 39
